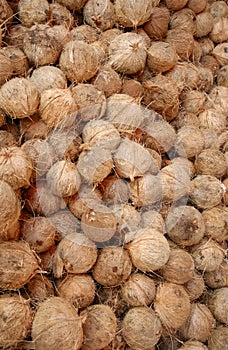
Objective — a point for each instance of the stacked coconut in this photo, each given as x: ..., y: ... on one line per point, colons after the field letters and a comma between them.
x: 114, y: 174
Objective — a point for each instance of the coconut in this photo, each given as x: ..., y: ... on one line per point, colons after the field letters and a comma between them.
x: 46, y: 259
x: 99, y: 327
x: 219, y: 9
x: 108, y: 35
x: 16, y: 320
x: 61, y: 33
x: 15, y: 35
x: 218, y: 338
x: 186, y: 75
x: 185, y: 225
x: 161, y: 94
x: 196, y: 53
x: 217, y: 278
x: 221, y: 54
x: 6, y: 14
x: 59, y: 14
x: 168, y: 342
x: 48, y: 77
x: 31, y: 12
x: 193, y: 345
x: 18, y: 61
x: 76, y: 253
x: 39, y: 233
x: 197, y: 6
x: 219, y: 31
x: 111, y: 296
x: 142, y: 32
x: 79, y: 290
x: 108, y: 81
x: 141, y: 328
x: 208, y: 255
x: 172, y: 305
x: 185, y: 119
x: 7, y: 139
x: 146, y: 190
x: 153, y: 219
x: 33, y: 128
x: 222, y: 79
x: 98, y: 222
x: 138, y: 290
x: 193, y: 101
x: 199, y: 324
x: 207, y: 45
x: 112, y: 267
x: 99, y: 14
x: 27, y: 100
x: 63, y: 328
x: 149, y: 250
x: 84, y: 55
x: 127, y: 53
x: 132, y: 88
x: 161, y: 57
x: 212, y: 118
x: 101, y: 51
x: 64, y: 223
x: 182, y: 41
x: 114, y: 190
x: 218, y: 99
x: 204, y: 23
x: 85, y: 33
x: 209, y: 61
x: 157, y: 26
x: 218, y: 306
x: 183, y: 19
x: 63, y: 178
x: 18, y: 265
x: 195, y: 286
x: 175, y: 5
x: 12, y: 232
x: 206, y: 191
x: 225, y: 197
x: 211, y: 162
x: 74, y: 5
x: 206, y: 79
x: 39, y: 288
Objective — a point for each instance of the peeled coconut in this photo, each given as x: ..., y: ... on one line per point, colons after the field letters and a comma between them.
x: 218, y: 338
x: 16, y: 320
x: 216, y: 221
x: 182, y: 41
x: 31, y: 12
x: 18, y: 264
x: 172, y: 305
x: 146, y: 190
x: 218, y: 304
x: 26, y: 101
x: 79, y: 290
x: 76, y: 253
x: 62, y: 328
x: 195, y: 286
x: 219, y: 277
x: 99, y: 14
x: 161, y: 57
x: 157, y: 26
x: 141, y: 328
x: 48, y: 77
x: 39, y: 288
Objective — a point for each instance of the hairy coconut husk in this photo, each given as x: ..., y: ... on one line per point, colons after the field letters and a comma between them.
x: 99, y: 14
x: 183, y: 19
x: 193, y: 345
x: 48, y: 77
x: 218, y: 305
x: 219, y: 277
x: 39, y: 288
x: 114, y: 190
x: 209, y: 61
x: 218, y: 99
x: 195, y: 286
x: 31, y: 12
x: 197, y: 6
x: 196, y: 53
x: 190, y: 141
x: 182, y: 41
x: 65, y: 223
x: 74, y: 5
x: 206, y: 79
x: 204, y: 23
x: 212, y: 118
x: 219, y: 31
x: 222, y: 77
x: 15, y: 35
x: 18, y: 61
x: 61, y: 33
x: 59, y: 14
x: 219, y: 9
x: 157, y: 26
x: 225, y: 197
x: 85, y: 33
x: 175, y: 5
x: 10, y: 207
x: 211, y: 162
x: 161, y: 57
x: 132, y: 88
x: 193, y: 101
x: 6, y: 13
x: 34, y: 127
x: 186, y: 75
x: 108, y: 81
x: 153, y: 219
x: 185, y: 119
x: 218, y: 338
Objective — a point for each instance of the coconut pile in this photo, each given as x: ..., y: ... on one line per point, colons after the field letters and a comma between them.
x: 113, y: 174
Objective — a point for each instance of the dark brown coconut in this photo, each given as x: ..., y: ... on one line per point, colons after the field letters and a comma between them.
x: 216, y: 223
x: 218, y: 305
x: 31, y: 12
x: 195, y: 286
x: 161, y: 57
x: 33, y: 127
x: 63, y: 328
x: 39, y: 288
x: 108, y: 81
x: 15, y: 35
x: 131, y: 14
x: 197, y: 6
x: 132, y: 88
x: 157, y: 26
x: 183, y: 19
x: 99, y: 14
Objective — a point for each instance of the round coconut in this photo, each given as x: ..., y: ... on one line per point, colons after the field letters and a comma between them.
x: 31, y: 12
x: 46, y: 259
x: 65, y: 223
x: 127, y: 53
x: 16, y: 320
x: 108, y: 81
x: 33, y: 127
x: 206, y: 79
x: 185, y: 225
x: 132, y: 88
x: 193, y: 345
x: 219, y: 277
x: 219, y: 31
x: 206, y: 191
x: 141, y: 328
x: 211, y: 162
x: 196, y: 53
x: 207, y: 45
x: 79, y: 290
x: 142, y: 32
x: 48, y: 77
x: 193, y: 101
x: 114, y: 190
x: 185, y: 119
x: 204, y: 22
x: 208, y: 255
x: 190, y: 141
x: 218, y: 99
x: 153, y: 219
x: 18, y: 61
x: 172, y: 305
x: 157, y: 26
x: 199, y: 323
x: 15, y: 35
x: 78, y: 61
x: 197, y: 6
x: 59, y: 14
x: 218, y: 338
x: 101, y: 49
x: 161, y: 57
x: 138, y: 290
x: 26, y: 101
x: 18, y: 265
x: 39, y: 233
x: 99, y: 327
x: 219, y: 8
x: 99, y: 14
x: 195, y: 286
x: 39, y: 288
x: 6, y: 14
x: 175, y: 4
x: 209, y: 61
x: 212, y: 118
x: 149, y: 250
x: 85, y: 33
x: 161, y: 95
x: 131, y: 14
x: 222, y: 79
x: 182, y: 41
x: 12, y: 232
x: 61, y: 33
x: 62, y: 328
x: 186, y: 75
x: 218, y: 305
x: 15, y: 167
x: 76, y: 253
x: 183, y: 19
x: 112, y: 267
x: 74, y: 5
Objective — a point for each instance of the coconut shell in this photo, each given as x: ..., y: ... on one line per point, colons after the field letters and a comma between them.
x: 161, y: 57
x: 172, y: 305
x: 193, y: 101
x: 195, y: 286
x: 212, y: 118
x: 219, y: 31
x: 183, y: 19
x: 175, y: 5
x: 218, y: 306
x: 39, y: 288
x: 182, y: 41
x: 131, y: 14
x: 141, y: 328
x: 16, y: 320
x: 108, y: 81
x: 32, y: 12
x: 218, y: 338
x: 115, y: 190
x: 99, y: 14
x: 59, y: 14
x: 62, y: 328
x: 146, y: 190
x: 157, y: 26
x: 76, y: 253
x: 219, y: 277
x: 10, y: 207
x: 48, y: 77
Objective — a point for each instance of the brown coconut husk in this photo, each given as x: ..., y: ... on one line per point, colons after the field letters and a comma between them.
x: 209, y: 61
x: 204, y: 23
x: 218, y: 99
x: 59, y: 14
x: 212, y: 118
x: 219, y: 31
x: 197, y: 6
x: 6, y: 13
x: 195, y: 287
x: 114, y: 190
x: 108, y: 81
x: 34, y: 127
x: 196, y: 53
x: 193, y: 345
x: 10, y: 206
x: 15, y: 35
x: 186, y: 75
x: 132, y: 88
x: 207, y: 79
x: 74, y: 5
x: 175, y: 5
x: 48, y: 77
x: 32, y: 12
x: 193, y: 101
x: 217, y: 278
x: 218, y: 338
x: 18, y: 61
x: 39, y: 288
x: 183, y: 19
x: 222, y: 76
x: 157, y: 26
x: 161, y: 57
x: 85, y: 33
x: 99, y: 14
x: 154, y: 220
x: 211, y: 162
x: 182, y: 41
x: 219, y: 8
x: 190, y: 141
x: 218, y: 306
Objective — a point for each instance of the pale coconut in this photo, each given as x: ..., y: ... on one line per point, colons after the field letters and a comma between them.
x: 48, y: 77
x: 218, y: 305
x: 59, y: 14
x: 99, y: 14
x: 31, y: 12
x: 18, y: 61
x: 218, y: 278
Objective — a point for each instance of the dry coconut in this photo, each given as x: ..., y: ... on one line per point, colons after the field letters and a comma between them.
x: 211, y: 162
x: 219, y: 31
x: 221, y: 53
x: 172, y: 305
x: 196, y: 53
x: 209, y: 61
x: 108, y: 81
x: 153, y: 219
x: 114, y: 190
x: 132, y: 88
x: 185, y: 119
x: 76, y: 253
x: 175, y: 5
x: 10, y: 207
x: 98, y: 222
x: 183, y: 19
x: 112, y: 267
x: 195, y: 286
x: 63, y: 178
x: 207, y: 45
x: 218, y: 305
x: 34, y: 127
x: 197, y: 6
x: 185, y: 225
x: 31, y: 12
x: 131, y: 14
x: 218, y: 99
x: 182, y: 41
x: 138, y: 290
x: 216, y: 223
x: 127, y: 53
x: 186, y: 75
x: 99, y: 327
x: 48, y: 77
x: 40, y: 46
x: 222, y: 77
x: 99, y: 14
x: 204, y: 23
x: 199, y: 324
x: 219, y: 277
x: 12, y: 232
x: 141, y: 328
x: 18, y: 60
x: 59, y: 14
x: 74, y: 5
x: 39, y: 288
x: 146, y: 190
x: 27, y: 101
x: 161, y: 57
x: 79, y: 290
x: 61, y: 33
x: 15, y: 35
x: 193, y: 101
x: 57, y: 106
x: 149, y: 250
x: 157, y: 26
x: 219, y: 8
x: 212, y: 118
x: 16, y: 320
x: 85, y: 33
x: 208, y: 255
x: 62, y: 329
x: 193, y: 345
x: 190, y: 141
x: 206, y: 191
x: 78, y: 61
x: 18, y: 264
x: 218, y: 338
x: 39, y: 233
x: 65, y: 223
